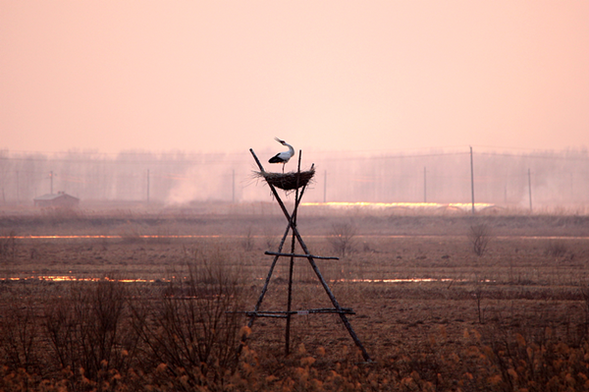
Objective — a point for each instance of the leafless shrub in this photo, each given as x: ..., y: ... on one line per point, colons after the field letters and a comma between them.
x: 86, y: 328
x: 366, y: 247
x: 479, y: 235
x: 193, y: 328
x: 248, y: 241
x: 131, y: 234
x: 270, y: 238
x: 341, y: 237
x: 556, y: 248
x: 20, y: 337
x: 585, y: 295
x: 478, y: 296
x: 8, y: 247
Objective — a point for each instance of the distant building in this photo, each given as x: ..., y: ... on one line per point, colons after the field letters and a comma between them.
x: 59, y: 199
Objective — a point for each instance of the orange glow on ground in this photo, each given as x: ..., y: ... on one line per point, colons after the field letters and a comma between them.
x: 70, y: 278
x: 77, y: 237
x: 364, y: 204
x: 408, y: 280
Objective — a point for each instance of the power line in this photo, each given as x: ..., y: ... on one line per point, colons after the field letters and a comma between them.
x: 217, y: 158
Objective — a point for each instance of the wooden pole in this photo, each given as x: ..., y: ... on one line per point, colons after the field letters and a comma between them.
x: 267, y: 282
x: 530, y: 188
x: 148, y: 185
x: 472, y: 179
x: 424, y: 186
x: 301, y: 255
x: 325, y: 186
x: 291, y: 266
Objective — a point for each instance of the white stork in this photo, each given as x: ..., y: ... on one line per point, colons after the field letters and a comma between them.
x: 282, y: 157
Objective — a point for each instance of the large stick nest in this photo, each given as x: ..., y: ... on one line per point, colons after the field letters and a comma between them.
x: 288, y: 181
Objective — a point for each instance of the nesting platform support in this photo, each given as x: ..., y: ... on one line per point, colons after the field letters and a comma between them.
x: 299, y: 186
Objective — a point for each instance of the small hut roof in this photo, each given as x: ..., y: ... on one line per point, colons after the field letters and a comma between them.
x: 53, y: 196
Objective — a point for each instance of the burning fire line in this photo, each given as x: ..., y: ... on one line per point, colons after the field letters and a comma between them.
x: 70, y: 278
x: 221, y: 236
x: 65, y: 237
x: 342, y: 204
x: 411, y: 280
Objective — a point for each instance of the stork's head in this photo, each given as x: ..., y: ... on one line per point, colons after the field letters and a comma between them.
x: 280, y: 141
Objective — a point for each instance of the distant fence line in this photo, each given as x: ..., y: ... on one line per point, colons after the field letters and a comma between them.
x: 556, y: 178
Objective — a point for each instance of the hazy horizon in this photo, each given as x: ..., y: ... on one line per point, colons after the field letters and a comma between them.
x: 214, y: 76
x: 552, y: 180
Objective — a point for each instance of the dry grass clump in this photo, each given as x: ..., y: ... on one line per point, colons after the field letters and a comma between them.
x: 190, y: 335
x: 8, y: 246
x: 341, y: 237
x: 481, y: 363
x: 556, y: 248
x: 288, y: 181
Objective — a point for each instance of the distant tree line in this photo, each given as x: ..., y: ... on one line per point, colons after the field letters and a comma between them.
x: 556, y: 178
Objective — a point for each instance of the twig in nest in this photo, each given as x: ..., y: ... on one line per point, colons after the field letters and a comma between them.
x: 288, y: 181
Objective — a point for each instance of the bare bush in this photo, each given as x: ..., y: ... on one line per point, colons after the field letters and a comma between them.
x: 193, y: 329
x: 556, y: 248
x: 270, y: 238
x: 478, y: 296
x: 585, y: 295
x: 8, y: 248
x: 87, y: 329
x: 131, y: 234
x: 248, y: 240
x: 479, y: 235
x: 19, y: 339
x: 341, y: 237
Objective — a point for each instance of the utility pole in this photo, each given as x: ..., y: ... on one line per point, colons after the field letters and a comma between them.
x: 147, y: 185
x: 325, y: 186
x: 472, y: 179
x: 530, y: 188
x: 424, y: 186
x: 51, y: 180
x: 233, y: 186
x: 17, y: 187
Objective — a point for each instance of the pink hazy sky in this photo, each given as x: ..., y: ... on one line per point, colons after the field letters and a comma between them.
x: 325, y: 75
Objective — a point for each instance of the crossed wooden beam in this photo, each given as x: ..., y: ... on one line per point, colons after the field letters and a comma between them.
x: 296, y: 237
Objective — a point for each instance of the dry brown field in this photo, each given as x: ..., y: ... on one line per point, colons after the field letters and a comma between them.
x: 431, y: 313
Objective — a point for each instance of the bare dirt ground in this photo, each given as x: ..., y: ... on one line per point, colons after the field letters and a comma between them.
x: 414, y: 282
x: 533, y: 267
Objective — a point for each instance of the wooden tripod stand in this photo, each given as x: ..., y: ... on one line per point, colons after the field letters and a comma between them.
x: 296, y: 237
